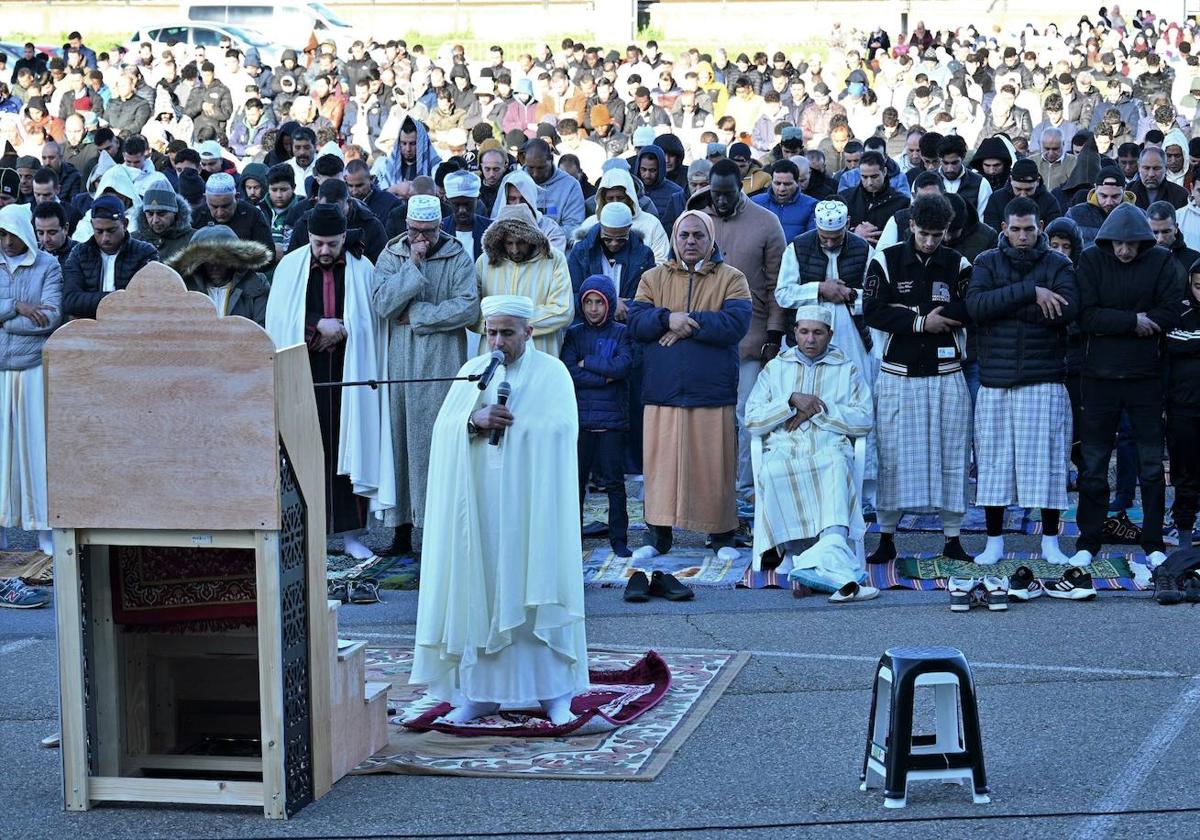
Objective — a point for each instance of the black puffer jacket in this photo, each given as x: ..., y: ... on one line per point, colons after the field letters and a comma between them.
x: 875, y: 208
x: 1016, y: 343
x: 84, y: 270
x: 248, y: 222
x: 1048, y: 207
x: 1112, y: 293
x: 851, y: 263
x: 1183, y: 345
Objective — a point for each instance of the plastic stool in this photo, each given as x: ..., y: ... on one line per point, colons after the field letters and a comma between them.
x: 953, y: 753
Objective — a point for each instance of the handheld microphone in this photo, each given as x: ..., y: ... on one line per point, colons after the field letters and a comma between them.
x: 503, y: 392
x: 486, y: 378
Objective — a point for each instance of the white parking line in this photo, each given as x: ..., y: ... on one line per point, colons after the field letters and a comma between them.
x: 19, y: 644
x: 1122, y: 792
x: 842, y: 657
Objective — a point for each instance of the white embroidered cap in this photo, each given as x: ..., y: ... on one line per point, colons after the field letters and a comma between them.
x: 831, y: 215
x: 815, y: 312
x: 424, y: 208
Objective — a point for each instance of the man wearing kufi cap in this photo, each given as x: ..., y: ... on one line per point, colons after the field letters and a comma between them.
x: 465, y: 224
x: 321, y: 296
x: 500, y: 619
x: 424, y: 288
x: 807, y: 406
x: 826, y: 267
x: 222, y: 206
x: 518, y: 259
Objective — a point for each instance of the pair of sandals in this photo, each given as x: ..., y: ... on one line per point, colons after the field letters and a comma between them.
x: 350, y: 591
x: 1169, y: 591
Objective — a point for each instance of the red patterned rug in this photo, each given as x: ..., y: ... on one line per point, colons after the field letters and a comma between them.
x: 168, y: 585
x: 614, y: 697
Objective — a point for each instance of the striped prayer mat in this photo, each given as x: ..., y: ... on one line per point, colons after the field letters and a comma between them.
x: 1109, y: 570
x: 692, y: 566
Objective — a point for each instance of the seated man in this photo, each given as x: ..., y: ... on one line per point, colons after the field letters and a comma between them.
x: 806, y: 405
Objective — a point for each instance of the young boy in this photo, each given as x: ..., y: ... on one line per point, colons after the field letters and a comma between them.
x: 281, y: 198
x: 1183, y: 411
x: 599, y: 354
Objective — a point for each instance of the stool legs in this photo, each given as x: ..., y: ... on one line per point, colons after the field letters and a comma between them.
x: 972, y: 739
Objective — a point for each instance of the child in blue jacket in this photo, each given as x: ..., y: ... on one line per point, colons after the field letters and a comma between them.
x: 599, y: 355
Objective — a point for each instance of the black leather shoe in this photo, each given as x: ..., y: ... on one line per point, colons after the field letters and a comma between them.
x: 663, y: 585
x: 637, y: 591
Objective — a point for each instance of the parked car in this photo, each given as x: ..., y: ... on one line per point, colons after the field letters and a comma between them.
x: 206, y: 35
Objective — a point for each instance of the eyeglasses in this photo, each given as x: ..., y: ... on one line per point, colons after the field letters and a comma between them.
x: 422, y: 233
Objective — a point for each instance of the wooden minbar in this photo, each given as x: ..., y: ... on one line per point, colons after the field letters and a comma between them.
x: 198, y: 654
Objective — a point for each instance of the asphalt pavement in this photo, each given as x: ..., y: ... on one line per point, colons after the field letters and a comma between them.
x: 1089, y: 713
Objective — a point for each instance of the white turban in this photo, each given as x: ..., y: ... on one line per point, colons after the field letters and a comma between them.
x: 424, y: 208
x: 831, y: 215
x: 516, y: 306
x: 815, y: 313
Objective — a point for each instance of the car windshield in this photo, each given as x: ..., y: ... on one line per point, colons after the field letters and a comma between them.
x: 325, y: 12
x: 248, y: 36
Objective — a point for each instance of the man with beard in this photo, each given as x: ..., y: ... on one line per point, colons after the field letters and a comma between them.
x: 321, y: 296
x: 1108, y: 193
x: 223, y: 207
x: 104, y: 263
x: 873, y: 201
x: 957, y: 178
x: 1152, y: 184
x: 304, y: 152
x: 165, y: 221
x: 464, y: 223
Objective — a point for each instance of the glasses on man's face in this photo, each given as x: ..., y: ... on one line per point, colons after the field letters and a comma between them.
x: 427, y: 234
x: 615, y: 240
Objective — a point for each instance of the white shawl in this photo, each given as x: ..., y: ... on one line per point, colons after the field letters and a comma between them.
x: 365, y: 443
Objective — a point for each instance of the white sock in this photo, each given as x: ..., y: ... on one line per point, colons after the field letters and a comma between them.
x: 646, y: 552
x: 1081, y: 558
x: 469, y: 711
x: 46, y: 542
x: 1154, y: 558
x: 727, y: 554
x: 356, y: 549
x: 992, y: 553
x: 559, y: 709
x: 1051, y: 552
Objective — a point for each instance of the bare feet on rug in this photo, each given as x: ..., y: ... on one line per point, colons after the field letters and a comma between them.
x: 470, y: 710
x: 559, y: 709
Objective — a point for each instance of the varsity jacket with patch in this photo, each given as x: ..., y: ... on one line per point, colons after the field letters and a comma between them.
x: 901, y: 289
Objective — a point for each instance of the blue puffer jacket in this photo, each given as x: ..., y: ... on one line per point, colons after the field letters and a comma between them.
x: 667, y: 196
x: 601, y: 384
x: 587, y: 258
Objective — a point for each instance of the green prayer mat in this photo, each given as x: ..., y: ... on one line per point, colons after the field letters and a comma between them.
x: 935, y: 568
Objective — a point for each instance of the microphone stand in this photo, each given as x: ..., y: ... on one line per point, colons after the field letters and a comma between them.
x: 374, y: 384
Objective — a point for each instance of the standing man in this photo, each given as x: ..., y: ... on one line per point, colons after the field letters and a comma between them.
x: 915, y: 292
x: 50, y: 225
x: 792, y: 207
x: 425, y: 289
x: 751, y: 241
x: 874, y: 200
x: 223, y: 207
x: 1152, y: 184
x: 464, y: 222
x: 1130, y: 291
x: 500, y: 616
x: 165, y: 221
x: 517, y: 259
x: 105, y: 262
x: 957, y: 178
x: 559, y: 195
x: 1022, y: 296
x: 689, y: 316
x: 321, y: 296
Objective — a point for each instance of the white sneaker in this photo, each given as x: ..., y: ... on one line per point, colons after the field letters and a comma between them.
x: 1081, y: 558
x: 1141, y: 573
x: 646, y: 552
x: 853, y: 591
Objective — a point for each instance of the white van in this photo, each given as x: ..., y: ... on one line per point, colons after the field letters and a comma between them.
x: 291, y: 21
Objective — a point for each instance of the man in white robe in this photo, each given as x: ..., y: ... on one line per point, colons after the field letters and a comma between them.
x: 500, y: 614
x: 321, y: 296
x: 806, y: 407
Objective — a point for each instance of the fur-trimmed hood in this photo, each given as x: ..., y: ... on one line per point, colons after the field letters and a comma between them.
x: 242, y: 254
x: 493, y: 239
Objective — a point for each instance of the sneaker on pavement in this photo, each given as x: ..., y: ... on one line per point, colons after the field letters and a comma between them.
x: 995, y: 592
x: 1024, y: 586
x: 1074, y: 585
x: 960, y: 590
x: 17, y: 595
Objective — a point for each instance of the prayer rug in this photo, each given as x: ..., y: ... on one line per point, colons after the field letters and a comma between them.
x: 973, y: 522
x: 692, y: 566
x: 614, y: 698
x: 345, y: 567
x: 595, y: 509
x: 1109, y: 570
x: 33, y: 567
x: 635, y: 751
x: 167, y: 585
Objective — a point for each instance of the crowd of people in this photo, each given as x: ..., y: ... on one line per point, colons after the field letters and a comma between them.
x: 908, y: 274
